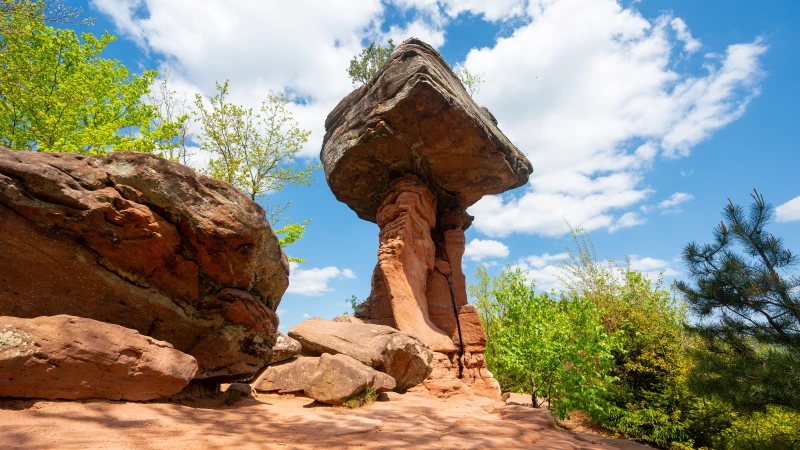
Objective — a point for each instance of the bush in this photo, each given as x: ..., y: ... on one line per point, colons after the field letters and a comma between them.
x: 364, y: 397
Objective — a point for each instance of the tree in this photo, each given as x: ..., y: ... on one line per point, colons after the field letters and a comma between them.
x: 364, y: 66
x: 169, y: 129
x: 550, y: 347
x: 255, y: 151
x: 58, y: 94
x: 749, y: 310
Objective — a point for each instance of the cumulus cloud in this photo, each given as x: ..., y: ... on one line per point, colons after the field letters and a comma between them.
x: 627, y: 220
x: 314, y: 281
x: 545, y: 270
x: 670, y: 204
x: 789, y: 211
x: 479, y: 249
x: 591, y: 91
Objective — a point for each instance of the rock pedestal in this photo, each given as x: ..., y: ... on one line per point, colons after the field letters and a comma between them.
x: 411, y: 151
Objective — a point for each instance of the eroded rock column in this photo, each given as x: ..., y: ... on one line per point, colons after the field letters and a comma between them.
x: 405, y: 258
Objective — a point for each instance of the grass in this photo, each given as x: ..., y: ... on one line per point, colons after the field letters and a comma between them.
x: 361, y: 398
x: 233, y: 397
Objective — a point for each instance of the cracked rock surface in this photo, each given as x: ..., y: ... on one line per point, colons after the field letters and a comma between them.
x: 139, y: 241
x: 65, y: 357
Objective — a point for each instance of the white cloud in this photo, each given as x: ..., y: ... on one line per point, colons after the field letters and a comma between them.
x: 670, y: 204
x: 690, y: 44
x: 546, y: 271
x: 257, y: 44
x: 591, y: 92
x: 789, y: 211
x: 314, y: 282
x: 627, y: 220
x: 479, y: 249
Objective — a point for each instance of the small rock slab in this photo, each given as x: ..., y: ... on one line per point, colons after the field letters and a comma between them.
x: 66, y: 357
x: 338, y: 377
x: 284, y: 348
x: 403, y: 357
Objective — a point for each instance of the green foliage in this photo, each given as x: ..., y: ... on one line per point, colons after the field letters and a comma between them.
x: 776, y: 428
x: 169, y: 129
x: 650, y: 394
x: 364, y: 397
x: 553, y: 348
x: 472, y: 82
x: 749, y: 310
x: 255, y: 151
x: 365, y: 65
x: 58, y: 94
x: 233, y: 397
x: 353, y: 300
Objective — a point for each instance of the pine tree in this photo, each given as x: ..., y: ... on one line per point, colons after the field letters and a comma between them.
x: 748, y: 304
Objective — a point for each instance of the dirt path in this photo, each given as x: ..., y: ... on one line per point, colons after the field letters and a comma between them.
x: 272, y: 422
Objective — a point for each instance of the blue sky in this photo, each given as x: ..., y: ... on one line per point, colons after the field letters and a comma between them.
x: 640, y: 117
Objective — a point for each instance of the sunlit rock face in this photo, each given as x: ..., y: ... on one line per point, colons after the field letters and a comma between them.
x: 411, y: 151
x: 139, y: 241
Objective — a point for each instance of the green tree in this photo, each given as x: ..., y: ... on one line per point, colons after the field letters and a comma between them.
x: 255, y: 151
x: 749, y: 309
x: 364, y: 66
x: 58, y: 94
x: 552, y: 348
x: 169, y: 129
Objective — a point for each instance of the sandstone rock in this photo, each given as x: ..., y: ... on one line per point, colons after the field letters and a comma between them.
x: 338, y: 377
x: 411, y: 151
x: 284, y: 348
x: 245, y: 389
x: 72, y: 358
x: 414, y: 116
x: 347, y: 318
x: 397, y: 354
x: 473, y: 335
x: 286, y: 377
x: 139, y: 241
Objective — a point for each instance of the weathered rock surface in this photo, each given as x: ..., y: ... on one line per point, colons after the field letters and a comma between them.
x: 338, y: 377
x: 397, y: 354
x: 284, y: 348
x: 139, y: 241
x: 65, y: 357
x: 414, y: 116
x: 347, y: 318
x: 411, y: 151
x: 287, y: 376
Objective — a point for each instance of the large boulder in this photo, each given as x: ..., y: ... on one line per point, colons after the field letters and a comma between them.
x: 403, y: 357
x: 146, y: 243
x: 338, y: 377
x: 415, y: 117
x: 286, y: 377
x: 72, y: 358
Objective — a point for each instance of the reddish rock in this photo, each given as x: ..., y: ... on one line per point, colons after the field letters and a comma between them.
x: 411, y: 151
x: 473, y: 336
x: 287, y: 377
x: 338, y: 377
x: 284, y: 348
x: 139, y: 241
x: 397, y: 354
x: 72, y: 358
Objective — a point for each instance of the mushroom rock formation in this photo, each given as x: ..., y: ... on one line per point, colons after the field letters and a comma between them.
x: 411, y: 151
x: 139, y: 241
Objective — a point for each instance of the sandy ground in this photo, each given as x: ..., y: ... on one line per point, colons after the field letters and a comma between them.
x: 285, y: 422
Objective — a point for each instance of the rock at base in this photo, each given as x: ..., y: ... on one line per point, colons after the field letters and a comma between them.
x: 338, y: 377
x: 66, y: 357
x: 347, y: 318
x: 284, y: 348
x: 397, y: 354
x: 286, y: 377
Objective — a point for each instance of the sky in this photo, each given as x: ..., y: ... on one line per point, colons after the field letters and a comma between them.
x: 641, y: 118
